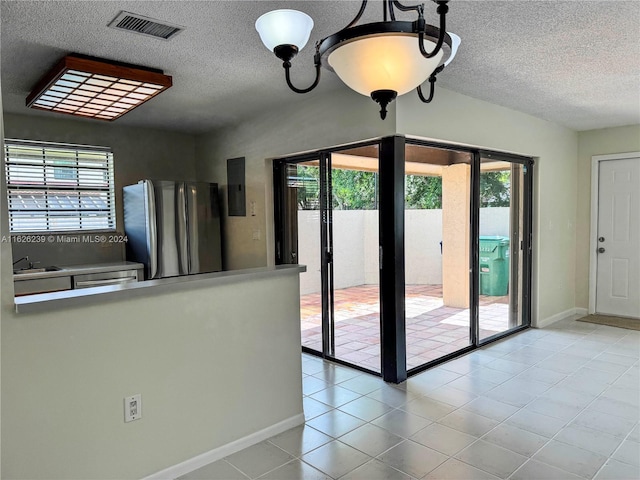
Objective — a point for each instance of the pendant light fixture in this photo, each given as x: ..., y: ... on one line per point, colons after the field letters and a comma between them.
x: 381, y: 60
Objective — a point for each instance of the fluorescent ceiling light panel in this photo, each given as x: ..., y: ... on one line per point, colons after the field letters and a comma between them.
x: 96, y: 88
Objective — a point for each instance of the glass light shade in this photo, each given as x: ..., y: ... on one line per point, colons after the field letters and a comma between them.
x: 384, y: 62
x: 284, y: 27
x: 455, y: 43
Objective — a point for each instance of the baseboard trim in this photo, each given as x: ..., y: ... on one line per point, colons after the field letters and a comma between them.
x: 561, y: 316
x: 581, y: 311
x: 203, y: 459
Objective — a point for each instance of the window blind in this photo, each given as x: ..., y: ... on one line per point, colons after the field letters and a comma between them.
x: 59, y: 187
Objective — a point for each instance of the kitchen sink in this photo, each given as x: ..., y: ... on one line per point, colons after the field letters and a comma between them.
x: 36, y: 270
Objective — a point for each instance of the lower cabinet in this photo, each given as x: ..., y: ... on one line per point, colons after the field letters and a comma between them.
x: 41, y: 285
x: 71, y: 281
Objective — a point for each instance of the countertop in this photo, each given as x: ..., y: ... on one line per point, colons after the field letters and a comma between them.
x: 68, y: 270
x: 90, y: 296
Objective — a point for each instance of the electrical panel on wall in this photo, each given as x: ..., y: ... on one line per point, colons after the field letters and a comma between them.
x: 236, y: 189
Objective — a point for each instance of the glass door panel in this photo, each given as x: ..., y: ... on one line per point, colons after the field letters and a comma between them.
x: 354, y: 270
x: 329, y: 222
x: 437, y: 235
x: 502, y: 238
x: 301, y: 244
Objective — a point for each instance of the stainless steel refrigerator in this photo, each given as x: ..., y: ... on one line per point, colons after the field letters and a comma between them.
x: 173, y: 228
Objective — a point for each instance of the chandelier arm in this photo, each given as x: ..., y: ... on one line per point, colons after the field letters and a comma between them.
x: 406, y: 8
x: 287, y: 68
x: 432, y: 83
x: 392, y: 13
x: 442, y: 10
x: 431, y: 92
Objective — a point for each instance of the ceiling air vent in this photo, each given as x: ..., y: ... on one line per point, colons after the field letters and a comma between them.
x: 132, y: 22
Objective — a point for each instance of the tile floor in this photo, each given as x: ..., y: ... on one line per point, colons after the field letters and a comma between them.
x: 559, y: 403
x: 433, y: 330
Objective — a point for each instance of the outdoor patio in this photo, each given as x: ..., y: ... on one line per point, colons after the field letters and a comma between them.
x: 433, y: 330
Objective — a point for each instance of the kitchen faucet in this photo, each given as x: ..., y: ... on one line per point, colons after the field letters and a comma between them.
x: 30, y: 263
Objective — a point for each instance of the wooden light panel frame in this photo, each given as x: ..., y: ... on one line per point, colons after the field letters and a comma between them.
x: 96, y: 88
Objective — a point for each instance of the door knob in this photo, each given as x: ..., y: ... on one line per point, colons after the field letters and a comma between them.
x: 601, y: 239
x: 601, y: 250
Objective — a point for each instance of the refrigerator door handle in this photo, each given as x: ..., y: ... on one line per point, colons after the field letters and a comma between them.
x: 152, y: 232
x: 183, y: 240
x: 192, y: 221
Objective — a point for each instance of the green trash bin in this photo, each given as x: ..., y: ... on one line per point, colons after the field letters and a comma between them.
x: 494, y: 265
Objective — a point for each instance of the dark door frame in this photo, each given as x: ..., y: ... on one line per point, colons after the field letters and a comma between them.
x: 393, y: 343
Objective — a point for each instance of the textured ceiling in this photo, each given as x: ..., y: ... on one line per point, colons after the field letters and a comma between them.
x: 576, y: 63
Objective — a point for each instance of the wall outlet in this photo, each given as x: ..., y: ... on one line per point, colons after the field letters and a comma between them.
x: 256, y: 235
x: 132, y: 408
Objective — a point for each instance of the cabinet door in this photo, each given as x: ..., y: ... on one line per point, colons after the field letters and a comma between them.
x: 41, y: 285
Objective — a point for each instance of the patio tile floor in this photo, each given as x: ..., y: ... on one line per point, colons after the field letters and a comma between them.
x: 433, y: 330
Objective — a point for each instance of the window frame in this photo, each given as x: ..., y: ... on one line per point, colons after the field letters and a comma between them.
x: 51, y: 172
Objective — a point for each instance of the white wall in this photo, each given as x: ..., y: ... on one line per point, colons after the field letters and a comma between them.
x: 309, y: 250
x: 422, y: 257
x: 461, y: 119
x: 595, y: 142
x: 356, y: 245
x: 349, y: 244
x: 494, y: 221
x: 371, y: 248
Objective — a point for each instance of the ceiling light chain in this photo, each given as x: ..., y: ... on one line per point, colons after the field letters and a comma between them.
x: 374, y: 59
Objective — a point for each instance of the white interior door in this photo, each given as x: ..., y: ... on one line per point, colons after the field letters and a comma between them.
x: 618, y: 265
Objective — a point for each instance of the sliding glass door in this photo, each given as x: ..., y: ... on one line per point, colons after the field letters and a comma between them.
x: 437, y: 252
x: 329, y: 216
x: 300, y: 242
x: 416, y: 252
x: 352, y: 186
x: 503, y: 246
